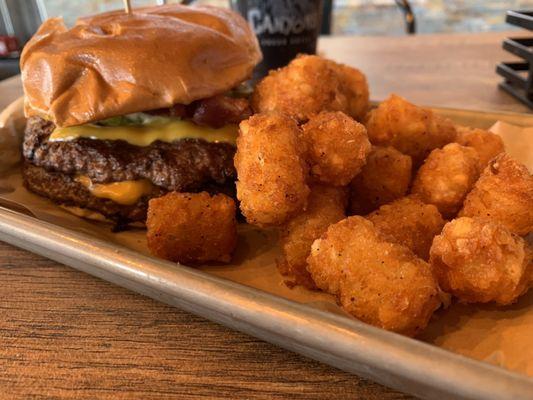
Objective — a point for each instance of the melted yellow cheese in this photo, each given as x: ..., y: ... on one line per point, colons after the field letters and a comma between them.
x: 165, y: 130
x: 125, y: 193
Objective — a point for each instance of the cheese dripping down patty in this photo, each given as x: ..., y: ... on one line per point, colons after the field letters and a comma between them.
x: 126, y: 192
x: 142, y: 130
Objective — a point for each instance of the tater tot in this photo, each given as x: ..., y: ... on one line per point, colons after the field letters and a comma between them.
x: 411, y: 129
x: 355, y: 85
x: 192, y: 228
x: 271, y: 171
x: 310, y: 84
x: 326, y: 206
x: 305, y: 87
x: 446, y: 177
x: 477, y: 260
x: 385, y: 177
x: 381, y: 283
x: 337, y: 147
x: 409, y: 222
x: 504, y: 192
x: 487, y: 144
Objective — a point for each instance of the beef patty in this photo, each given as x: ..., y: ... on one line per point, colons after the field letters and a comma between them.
x: 65, y: 190
x: 186, y: 165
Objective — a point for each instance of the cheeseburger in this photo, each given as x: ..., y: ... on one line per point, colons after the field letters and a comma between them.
x: 126, y: 107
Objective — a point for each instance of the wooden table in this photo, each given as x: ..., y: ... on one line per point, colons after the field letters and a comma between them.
x: 454, y: 70
x: 65, y: 334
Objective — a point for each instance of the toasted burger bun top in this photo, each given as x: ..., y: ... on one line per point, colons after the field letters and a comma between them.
x: 116, y: 63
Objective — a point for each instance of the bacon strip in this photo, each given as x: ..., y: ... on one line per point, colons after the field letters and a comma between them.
x: 214, y: 112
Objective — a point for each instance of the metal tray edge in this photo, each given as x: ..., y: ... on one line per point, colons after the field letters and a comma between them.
x: 390, y: 359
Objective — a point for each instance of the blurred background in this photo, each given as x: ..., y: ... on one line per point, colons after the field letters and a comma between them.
x: 362, y: 17
x: 20, y: 18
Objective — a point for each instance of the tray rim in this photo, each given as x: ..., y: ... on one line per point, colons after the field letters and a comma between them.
x: 522, y: 119
x: 409, y: 365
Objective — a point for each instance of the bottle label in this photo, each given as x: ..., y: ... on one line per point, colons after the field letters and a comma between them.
x: 293, y: 22
x: 284, y: 28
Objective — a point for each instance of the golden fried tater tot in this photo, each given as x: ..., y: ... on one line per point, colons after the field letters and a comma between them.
x: 355, y: 85
x: 504, y: 192
x: 337, y: 147
x: 409, y: 222
x: 271, y: 171
x: 446, y: 177
x: 310, y: 84
x: 478, y: 260
x: 380, y: 283
x: 385, y: 177
x: 411, y: 129
x: 192, y: 228
x: 305, y: 87
x: 326, y: 206
x: 487, y: 144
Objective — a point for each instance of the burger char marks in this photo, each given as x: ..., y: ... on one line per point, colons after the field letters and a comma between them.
x: 64, y: 189
x: 184, y: 165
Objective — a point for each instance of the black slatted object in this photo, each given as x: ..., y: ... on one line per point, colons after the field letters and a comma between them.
x: 409, y: 16
x: 519, y: 75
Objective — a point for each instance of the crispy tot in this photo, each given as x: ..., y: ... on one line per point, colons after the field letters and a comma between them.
x: 411, y: 129
x: 446, y: 177
x: 385, y: 177
x: 487, y: 144
x: 409, y: 222
x: 355, y: 85
x: 479, y: 261
x: 305, y: 87
x: 381, y: 283
x: 311, y: 84
x: 192, y: 228
x: 271, y: 171
x: 337, y: 147
x: 504, y: 192
x: 326, y: 206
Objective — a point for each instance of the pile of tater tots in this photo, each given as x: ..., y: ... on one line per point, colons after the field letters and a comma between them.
x: 393, y: 210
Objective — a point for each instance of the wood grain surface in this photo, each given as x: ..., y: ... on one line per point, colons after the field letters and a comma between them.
x: 64, y: 334
x: 454, y: 70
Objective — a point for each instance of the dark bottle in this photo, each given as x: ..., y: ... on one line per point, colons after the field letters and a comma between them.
x: 284, y: 29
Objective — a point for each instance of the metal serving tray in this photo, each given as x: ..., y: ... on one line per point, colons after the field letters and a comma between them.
x: 399, y: 362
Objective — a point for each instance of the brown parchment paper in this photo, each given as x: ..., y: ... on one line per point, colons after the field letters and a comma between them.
x: 500, y: 336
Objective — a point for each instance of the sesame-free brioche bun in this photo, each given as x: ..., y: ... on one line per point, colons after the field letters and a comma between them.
x: 116, y: 63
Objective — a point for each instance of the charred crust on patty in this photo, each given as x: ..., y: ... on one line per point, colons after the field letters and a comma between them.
x: 186, y: 165
x: 65, y: 190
